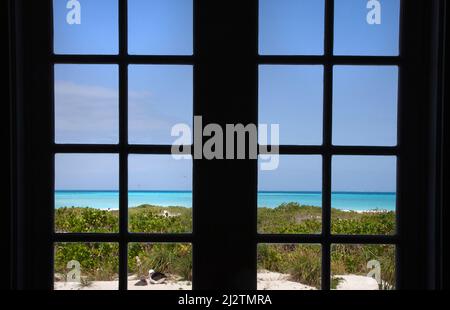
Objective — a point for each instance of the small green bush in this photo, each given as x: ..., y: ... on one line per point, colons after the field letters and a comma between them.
x: 99, y: 261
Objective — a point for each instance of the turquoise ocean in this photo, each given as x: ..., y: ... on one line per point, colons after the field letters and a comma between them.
x: 352, y: 201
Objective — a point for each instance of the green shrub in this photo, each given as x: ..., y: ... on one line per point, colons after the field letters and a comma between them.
x: 85, y: 220
x: 99, y: 261
x: 149, y: 219
x: 353, y: 259
x: 170, y: 258
x: 301, y: 262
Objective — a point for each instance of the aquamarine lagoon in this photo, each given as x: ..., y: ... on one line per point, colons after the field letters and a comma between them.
x: 351, y: 201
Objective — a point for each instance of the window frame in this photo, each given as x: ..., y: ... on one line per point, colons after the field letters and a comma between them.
x: 327, y: 150
x: 123, y: 60
x: 33, y: 147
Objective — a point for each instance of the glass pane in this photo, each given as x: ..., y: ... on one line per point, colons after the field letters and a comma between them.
x: 85, y: 27
x: 291, y: 27
x: 86, y: 266
x: 289, y: 267
x: 290, y: 197
x: 160, y: 266
x: 86, y: 104
x: 292, y: 96
x: 160, y: 194
x: 86, y: 193
x: 160, y: 96
x: 362, y: 267
x: 160, y: 27
x: 365, y: 105
x: 364, y: 195
x: 366, y: 28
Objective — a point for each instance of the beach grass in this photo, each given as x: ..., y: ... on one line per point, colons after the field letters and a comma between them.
x: 293, y: 218
x: 302, y: 262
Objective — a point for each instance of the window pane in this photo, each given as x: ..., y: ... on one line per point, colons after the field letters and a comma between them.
x: 354, y: 35
x: 86, y: 193
x: 289, y: 267
x: 160, y: 194
x: 96, y: 31
x: 292, y: 96
x: 160, y: 27
x: 86, y: 266
x: 365, y: 105
x: 290, y: 197
x: 86, y: 104
x: 362, y: 267
x: 291, y: 27
x: 160, y: 266
x: 160, y: 96
x: 364, y: 195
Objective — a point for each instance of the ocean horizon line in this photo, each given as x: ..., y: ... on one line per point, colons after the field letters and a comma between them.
x: 109, y: 199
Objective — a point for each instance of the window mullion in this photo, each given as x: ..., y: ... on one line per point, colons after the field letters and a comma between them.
x: 327, y: 144
x: 225, y: 190
x: 123, y: 137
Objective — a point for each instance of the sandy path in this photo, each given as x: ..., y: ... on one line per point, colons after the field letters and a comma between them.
x: 114, y: 285
x: 266, y: 280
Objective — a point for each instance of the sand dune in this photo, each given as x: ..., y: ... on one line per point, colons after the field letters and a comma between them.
x: 266, y: 280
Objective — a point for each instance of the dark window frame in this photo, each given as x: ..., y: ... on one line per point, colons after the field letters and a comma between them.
x: 215, y: 63
x: 327, y: 150
x: 123, y: 148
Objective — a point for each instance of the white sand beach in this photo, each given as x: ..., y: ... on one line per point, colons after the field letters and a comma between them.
x: 266, y: 280
x: 114, y: 285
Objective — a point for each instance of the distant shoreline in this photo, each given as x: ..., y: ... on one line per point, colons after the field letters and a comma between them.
x: 349, y: 211
x: 109, y: 199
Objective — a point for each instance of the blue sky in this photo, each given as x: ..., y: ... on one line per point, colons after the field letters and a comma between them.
x: 101, y: 172
x: 294, y: 173
x: 364, y: 104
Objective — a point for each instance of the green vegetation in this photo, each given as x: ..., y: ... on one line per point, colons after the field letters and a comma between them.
x: 292, y: 218
x: 99, y: 261
x: 170, y: 258
x: 353, y: 259
x: 151, y: 219
x: 302, y: 262
x: 143, y: 219
x: 353, y: 223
